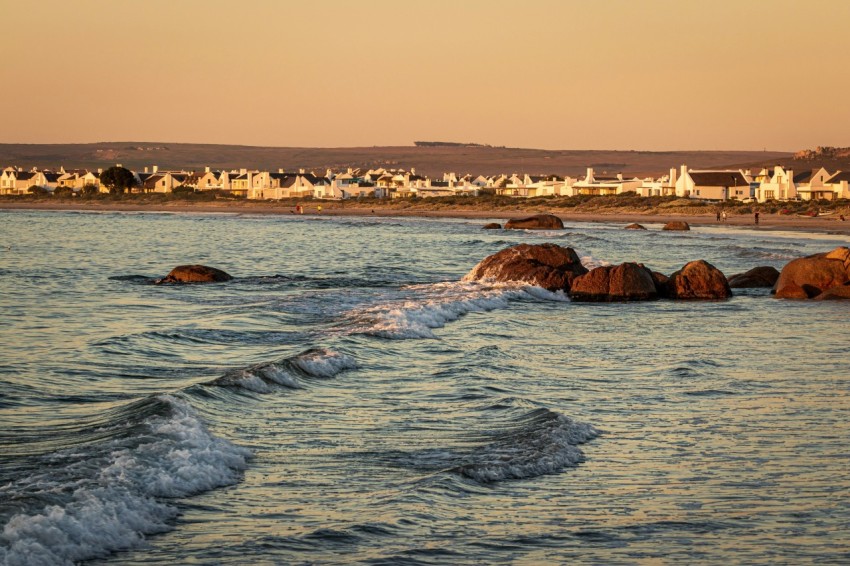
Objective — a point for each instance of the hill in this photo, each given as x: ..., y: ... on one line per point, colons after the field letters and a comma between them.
x: 430, y: 160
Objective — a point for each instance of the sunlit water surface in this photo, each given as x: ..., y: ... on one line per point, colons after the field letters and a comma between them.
x: 348, y: 399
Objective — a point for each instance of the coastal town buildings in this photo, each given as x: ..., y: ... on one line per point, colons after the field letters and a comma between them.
x: 778, y: 183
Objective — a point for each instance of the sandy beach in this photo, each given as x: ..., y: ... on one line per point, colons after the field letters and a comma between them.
x: 826, y: 224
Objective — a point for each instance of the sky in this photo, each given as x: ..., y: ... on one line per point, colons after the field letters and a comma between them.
x: 648, y: 75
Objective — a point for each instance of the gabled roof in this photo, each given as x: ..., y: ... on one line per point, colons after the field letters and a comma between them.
x: 804, y: 176
x: 718, y: 178
x: 52, y: 177
x: 840, y: 176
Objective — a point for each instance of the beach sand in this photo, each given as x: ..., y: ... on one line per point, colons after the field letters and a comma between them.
x: 825, y: 224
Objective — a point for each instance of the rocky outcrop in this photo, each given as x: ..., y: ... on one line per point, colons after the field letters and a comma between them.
x: 661, y: 281
x: 808, y: 277
x: 763, y: 276
x: 677, y: 226
x: 698, y: 280
x: 537, y: 222
x: 634, y: 226
x: 492, y: 226
x: 546, y: 265
x: 612, y: 283
x: 195, y: 274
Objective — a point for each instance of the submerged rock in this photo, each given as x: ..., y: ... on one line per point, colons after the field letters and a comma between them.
x: 195, y: 274
x: 537, y: 222
x: 835, y: 293
x: 763, y: 276
x: 634, y: 226
x: 808, y: 277
x: 546, y: 265
x: 698, y: 280
x: 492, y: 226
x: 677, y: 226
x: 625, y: 282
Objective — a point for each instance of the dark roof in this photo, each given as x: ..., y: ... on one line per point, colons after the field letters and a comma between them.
x: 718, y: 179
x: 804, y: 176
x: 52, y: 177
x: 24, y: 175
x: 439, y: 183
x: 840, y: 176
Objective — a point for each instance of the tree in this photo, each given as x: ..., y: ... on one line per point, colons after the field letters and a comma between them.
x: 117, y: 180
x: 90, y: 190
x: 63, y: 192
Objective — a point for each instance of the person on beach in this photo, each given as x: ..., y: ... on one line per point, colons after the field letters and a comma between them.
x: 319, y: 209
x: 757, y: 217
x: 718, y: 216
x: 723, y: 216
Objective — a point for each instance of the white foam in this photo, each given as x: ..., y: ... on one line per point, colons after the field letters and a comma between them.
x: 434, y: 306
x: 592, y: 263
x: 120, y: 493
x: 323, y: 363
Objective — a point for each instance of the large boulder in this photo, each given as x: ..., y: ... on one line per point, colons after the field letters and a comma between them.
x: 698, y: 280
x: 492, y: 226
x: 808, y: 277
x: 195, y: 274
x: 635, y: 226
x: 536, y: 222
x: 676, y: 225
x: 763, y: 276
x: 546, y: 265
x: 625, y: 282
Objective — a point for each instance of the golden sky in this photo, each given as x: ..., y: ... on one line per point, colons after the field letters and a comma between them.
x: 556, y: 74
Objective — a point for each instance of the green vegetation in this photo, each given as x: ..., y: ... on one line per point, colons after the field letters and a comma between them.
x: 118, y: 180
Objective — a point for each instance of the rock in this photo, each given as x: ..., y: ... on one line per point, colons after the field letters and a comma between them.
x: 835, y: 293
x: 763, y: 276
x: 625, y: 282
x: 537, y: 222
x: 661, y: 281
x: 698, y: 280
x: 634, y: 226
x: 492, y: 226
x: 813, y: 274
x: 546, y: 265
x: 677, y: 226
x: 195, y: 274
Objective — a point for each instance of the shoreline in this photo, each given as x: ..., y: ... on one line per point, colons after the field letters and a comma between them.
x: 829, y: 225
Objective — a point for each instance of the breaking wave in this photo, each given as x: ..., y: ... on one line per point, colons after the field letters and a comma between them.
x: 84, y: 502
x: 289, y: 372
x: 432, y: 306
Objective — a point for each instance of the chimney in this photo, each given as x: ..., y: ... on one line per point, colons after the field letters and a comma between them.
x: 280, y: 170
x: 619, y: 176
x: 684, y: 170
x: 146, y: 169
x: 155, y: 168
x: 301, y: 171
x: 206, y: 169
x: 100, y: 170
x: 673, y: 176
x: 589, y: 176
x: 118, y: 165
x: 243, y: 171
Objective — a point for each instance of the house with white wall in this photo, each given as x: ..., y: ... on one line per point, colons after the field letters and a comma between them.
x: 725, y: 184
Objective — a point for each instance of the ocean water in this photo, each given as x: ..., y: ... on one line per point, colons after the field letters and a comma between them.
x: 348, y: 399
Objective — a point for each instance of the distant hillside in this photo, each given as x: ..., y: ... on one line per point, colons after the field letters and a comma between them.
x: 431, y: 160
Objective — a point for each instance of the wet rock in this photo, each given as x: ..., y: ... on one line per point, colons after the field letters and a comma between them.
x: 835, y: 293
x: 492, y: 226
x: 677, y: 226
x: 611, y: 283
x: 195, y: 274
x: 546, y: 265
x: 537, y: 222
x: 763, y: 276
x: 698, y: 280
x: 634, y: 226
x: 808, y: 277
x: 661, y: 281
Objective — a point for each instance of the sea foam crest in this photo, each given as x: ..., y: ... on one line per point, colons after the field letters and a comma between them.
x: 545, y: 443
x: 84, y: 505
x: 289, y: 372
x: 433, y: 306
